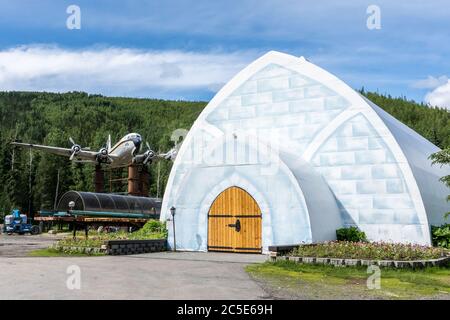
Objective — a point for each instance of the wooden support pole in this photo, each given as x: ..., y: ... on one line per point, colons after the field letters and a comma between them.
x: 74, y: 227
x: 145, y: 182
x: 133, y: 180
x: 99, y: 179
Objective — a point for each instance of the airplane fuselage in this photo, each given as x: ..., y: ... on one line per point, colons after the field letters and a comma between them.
x: 123, y: 153
x: 125, y: 149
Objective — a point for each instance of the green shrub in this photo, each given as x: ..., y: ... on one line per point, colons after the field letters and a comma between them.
x: 366, y: 250
x: 81, y: 242
x: 441, y: 236
x: 352, y: 234
x: 153, y: 229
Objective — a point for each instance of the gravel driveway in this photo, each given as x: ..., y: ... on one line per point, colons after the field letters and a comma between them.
x: 169, y: 275
x: 20, y: 245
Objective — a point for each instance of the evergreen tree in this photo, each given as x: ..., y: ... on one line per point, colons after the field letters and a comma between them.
x: 443, y: 158
x: 52, y: 118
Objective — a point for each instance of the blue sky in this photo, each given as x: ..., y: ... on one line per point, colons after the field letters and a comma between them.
x: 189, y: 49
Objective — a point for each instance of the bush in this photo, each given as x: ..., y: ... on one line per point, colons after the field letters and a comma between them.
x: 153, y: 229
x: 440, y: 236
x: 366, y: 250
x: 81, y: 242
x: 352, y: 234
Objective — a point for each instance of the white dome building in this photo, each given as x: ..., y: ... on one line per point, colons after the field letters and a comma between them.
x: 286, y: 153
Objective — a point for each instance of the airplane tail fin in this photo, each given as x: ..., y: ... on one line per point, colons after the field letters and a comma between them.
x: 108, y: 143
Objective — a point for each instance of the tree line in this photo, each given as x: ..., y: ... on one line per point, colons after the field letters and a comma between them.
x: 51, y: 118
x: 29, y: 178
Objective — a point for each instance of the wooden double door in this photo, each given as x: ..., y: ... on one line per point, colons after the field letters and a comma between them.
x: 234, y: 223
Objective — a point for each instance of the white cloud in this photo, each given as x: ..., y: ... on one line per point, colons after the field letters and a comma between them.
x: 116, y: 71
x: 430, y: 82
x: 440, y: 96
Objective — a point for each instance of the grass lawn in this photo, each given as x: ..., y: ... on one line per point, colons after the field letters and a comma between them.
x: 290, y: 280
x: 48, y: 252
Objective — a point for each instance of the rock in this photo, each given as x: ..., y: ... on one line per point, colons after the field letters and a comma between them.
x: 386, y: 263
x: 322, y: 260
x: 273, y: 254
x: 337, y: 262
x: 402, y: 264
x: 368, y: 262
x: 435, y: 262
x: 52, y: 232
x: 352, y: 262
x: 308, y: 260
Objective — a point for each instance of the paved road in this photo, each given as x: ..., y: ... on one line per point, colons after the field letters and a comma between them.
x: 169, y: 275
x: 20, y: 245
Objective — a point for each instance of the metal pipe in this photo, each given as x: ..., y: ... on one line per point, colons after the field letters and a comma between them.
x: 174, y: 239
x: 103, y: 214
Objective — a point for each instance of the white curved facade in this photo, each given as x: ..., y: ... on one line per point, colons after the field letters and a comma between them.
x: 313, y: 153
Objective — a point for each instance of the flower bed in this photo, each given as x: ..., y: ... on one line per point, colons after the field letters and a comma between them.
x: 87, y: 250
x: 152, y: 230
x: 369, y: 251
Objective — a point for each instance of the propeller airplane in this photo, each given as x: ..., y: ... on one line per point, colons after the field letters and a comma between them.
x: 124, y: 152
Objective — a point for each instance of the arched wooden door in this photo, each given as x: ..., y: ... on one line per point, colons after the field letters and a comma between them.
x: 234, y: 222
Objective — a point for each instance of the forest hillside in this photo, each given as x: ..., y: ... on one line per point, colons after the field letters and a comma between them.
x: 51, y: 118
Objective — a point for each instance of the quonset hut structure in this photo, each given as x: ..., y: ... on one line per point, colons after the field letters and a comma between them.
x: 106, y: 204
x: 286, y: 153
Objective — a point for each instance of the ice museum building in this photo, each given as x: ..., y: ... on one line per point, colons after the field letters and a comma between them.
x: 286, y: 153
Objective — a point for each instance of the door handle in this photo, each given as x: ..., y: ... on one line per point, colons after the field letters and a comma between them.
x: 236, y: 225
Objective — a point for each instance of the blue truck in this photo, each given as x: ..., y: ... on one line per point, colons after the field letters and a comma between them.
x: 18, y: 223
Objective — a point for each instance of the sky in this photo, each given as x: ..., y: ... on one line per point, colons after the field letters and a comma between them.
x: 179, y: 49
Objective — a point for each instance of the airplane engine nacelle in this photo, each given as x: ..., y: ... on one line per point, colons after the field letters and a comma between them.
x: 145, y: 158
x: 76, y: 148
x: 139, y: 158
x: 102, y: 156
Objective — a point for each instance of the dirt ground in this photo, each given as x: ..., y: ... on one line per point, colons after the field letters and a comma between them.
x: 21, y: 245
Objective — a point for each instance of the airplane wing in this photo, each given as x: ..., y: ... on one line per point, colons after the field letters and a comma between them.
x: 170, y: 155
x: 81, y: 155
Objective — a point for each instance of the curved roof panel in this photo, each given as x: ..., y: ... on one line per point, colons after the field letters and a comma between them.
x: 104, y: 202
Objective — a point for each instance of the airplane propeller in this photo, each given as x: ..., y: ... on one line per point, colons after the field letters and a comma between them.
x: 171, y: 154
x: 76, y: 148
x: 104, y: 154
x: 149, y: 154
